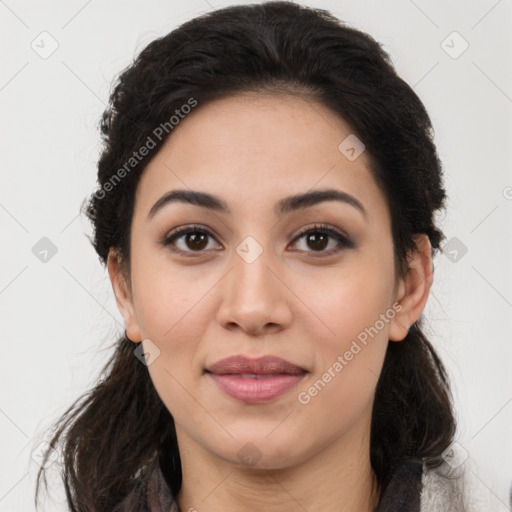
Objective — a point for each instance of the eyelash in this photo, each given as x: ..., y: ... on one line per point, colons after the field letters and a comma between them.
x: 345, y: 242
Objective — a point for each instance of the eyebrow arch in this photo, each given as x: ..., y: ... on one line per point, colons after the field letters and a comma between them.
x: 286, y: 205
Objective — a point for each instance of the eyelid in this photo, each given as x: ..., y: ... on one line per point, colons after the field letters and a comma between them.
x: 343, y: 240
x: 177, y: 233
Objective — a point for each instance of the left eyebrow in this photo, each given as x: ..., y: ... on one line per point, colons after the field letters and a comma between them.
x: 308, y: 199
x: 284, y: 206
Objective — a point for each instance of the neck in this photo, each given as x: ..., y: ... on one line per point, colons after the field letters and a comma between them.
x: 339, y: 478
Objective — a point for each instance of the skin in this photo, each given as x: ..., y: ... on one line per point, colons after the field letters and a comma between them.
x: 252, y: 151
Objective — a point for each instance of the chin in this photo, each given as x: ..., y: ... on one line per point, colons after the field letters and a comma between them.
x: 261, y: 453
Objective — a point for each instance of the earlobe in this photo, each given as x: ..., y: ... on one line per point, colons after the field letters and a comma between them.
x: 122, y: 293
x: 414, y: 289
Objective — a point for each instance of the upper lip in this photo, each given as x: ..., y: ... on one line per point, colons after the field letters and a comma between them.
x: 264, y: 365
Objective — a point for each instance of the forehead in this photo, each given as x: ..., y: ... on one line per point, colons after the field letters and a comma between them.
x: 255, y: 148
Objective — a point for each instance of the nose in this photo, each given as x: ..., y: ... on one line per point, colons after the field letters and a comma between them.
x: 254, y: 297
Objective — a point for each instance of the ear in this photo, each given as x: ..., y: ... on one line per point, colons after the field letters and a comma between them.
x: 414, y: 289
x: 122, y: 292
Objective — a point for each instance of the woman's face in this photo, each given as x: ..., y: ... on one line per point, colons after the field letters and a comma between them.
x: 258, y: 279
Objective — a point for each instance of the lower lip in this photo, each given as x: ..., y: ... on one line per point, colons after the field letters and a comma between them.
x: 256, y: 390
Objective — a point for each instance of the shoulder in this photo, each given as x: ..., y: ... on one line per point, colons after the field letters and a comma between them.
x: 454, y: 488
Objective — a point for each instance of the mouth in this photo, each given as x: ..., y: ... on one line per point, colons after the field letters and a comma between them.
x: 265, y: 365
x: 255, y: 380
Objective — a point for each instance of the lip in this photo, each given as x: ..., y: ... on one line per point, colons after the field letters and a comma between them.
x: 255, y: 380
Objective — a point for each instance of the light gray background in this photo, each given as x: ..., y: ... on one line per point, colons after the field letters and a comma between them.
x: 59, y: 317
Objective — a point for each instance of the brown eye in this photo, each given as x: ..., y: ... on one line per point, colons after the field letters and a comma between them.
x: 192, y: 238
x: 318, y: 238
x: 196, y: 240
x: 317, y: 241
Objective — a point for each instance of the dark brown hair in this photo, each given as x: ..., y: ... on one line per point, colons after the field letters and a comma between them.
x: 116, y: 432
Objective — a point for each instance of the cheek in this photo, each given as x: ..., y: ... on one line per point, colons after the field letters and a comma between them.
x: 175, y: 321
x: 348, y: 303
x: 349, y: 363
x: 168, y: 298
x: 351, y: 345
x: 171, y: 313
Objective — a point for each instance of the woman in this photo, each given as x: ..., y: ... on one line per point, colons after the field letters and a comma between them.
x: 266, y: 203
